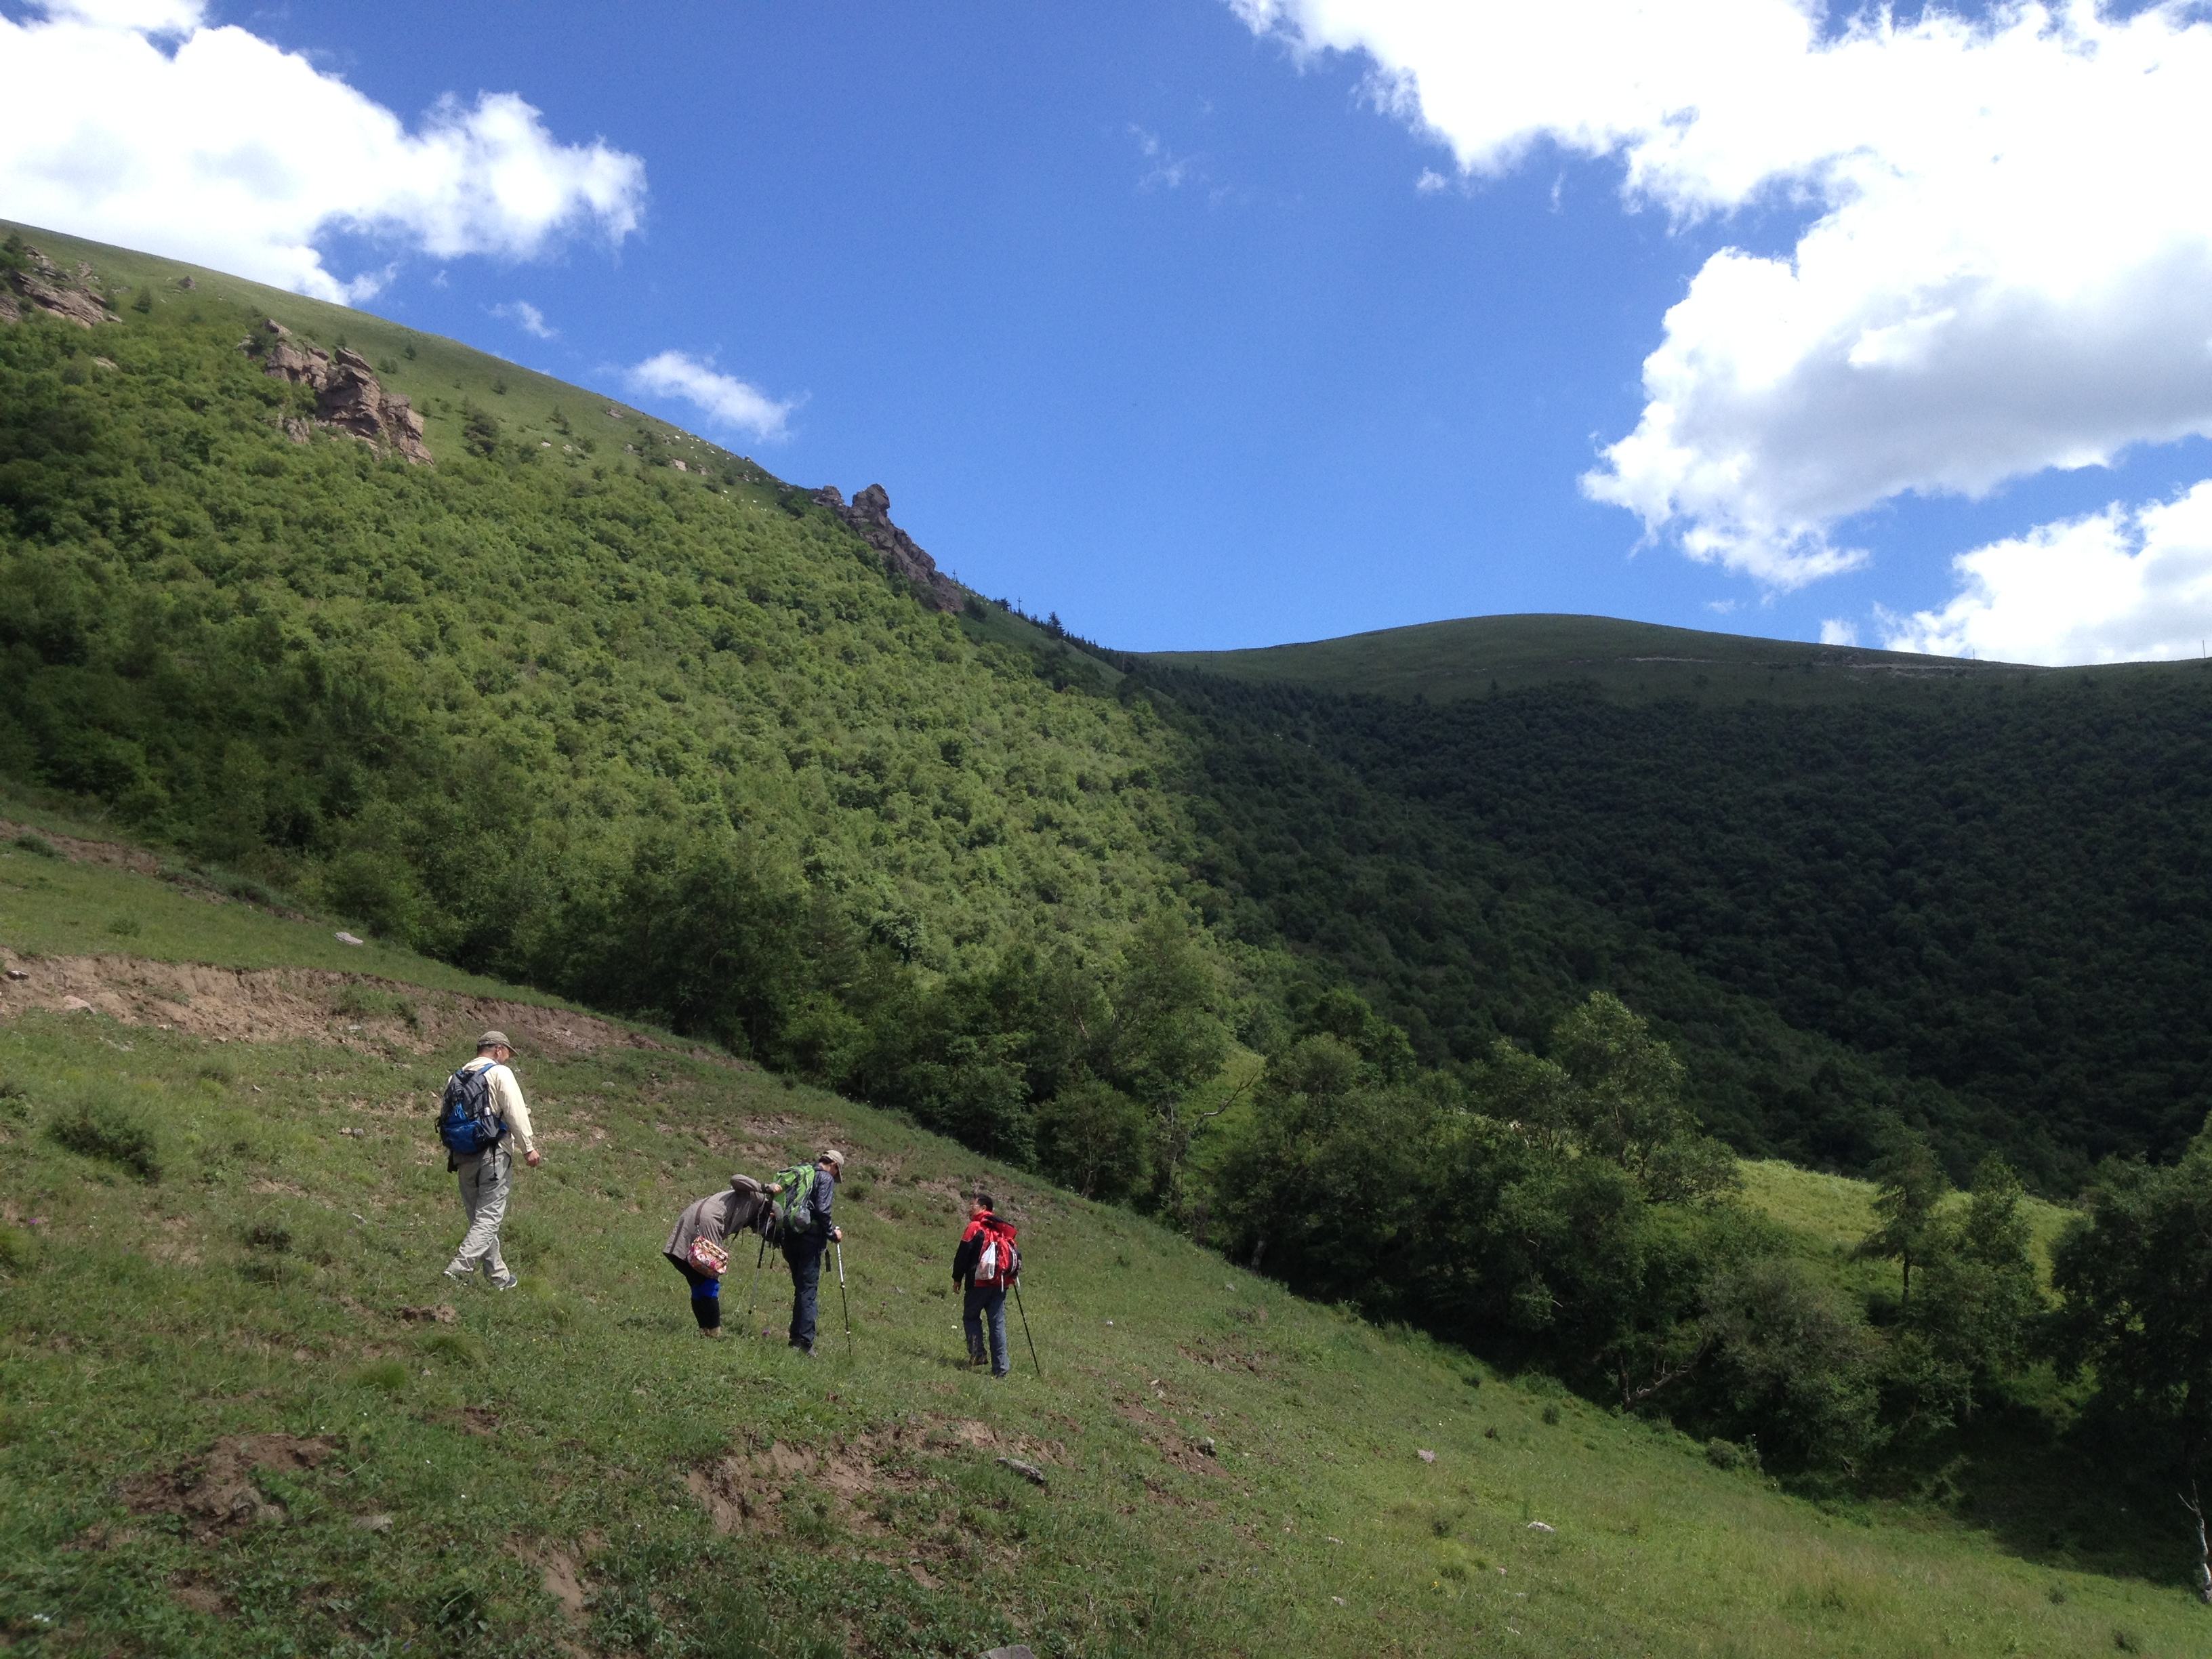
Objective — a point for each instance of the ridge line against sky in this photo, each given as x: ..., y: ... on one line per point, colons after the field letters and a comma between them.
x: 1836, y: 322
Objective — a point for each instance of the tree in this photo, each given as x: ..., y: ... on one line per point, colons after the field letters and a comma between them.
x: 1092, y: 1137
x: 2134, y: 1277
x: 1978, y: 1294
x: 1909, y: 1186
x: 1165, y: 1036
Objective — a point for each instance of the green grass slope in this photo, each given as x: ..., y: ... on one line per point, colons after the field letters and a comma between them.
x: 1472, y: 656
x: 234, y: 1421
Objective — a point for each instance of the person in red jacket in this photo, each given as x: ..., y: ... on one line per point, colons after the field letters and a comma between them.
x: 986, y: 1265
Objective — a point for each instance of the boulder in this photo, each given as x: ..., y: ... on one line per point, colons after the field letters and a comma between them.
x: 42, y: 285
x: 870, y: 515
x: 348, y: 397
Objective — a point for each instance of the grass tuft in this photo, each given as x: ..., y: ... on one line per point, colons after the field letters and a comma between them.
x: 36, y: 845
x: 113, y: 1134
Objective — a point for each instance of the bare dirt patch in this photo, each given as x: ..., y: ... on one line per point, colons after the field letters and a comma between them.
x: 276, y: 1005
x: 215, y: 1494
x: 200, y: 1597
x: 108, y: 853
x: 479, y: 1420
x: 749, y: 1491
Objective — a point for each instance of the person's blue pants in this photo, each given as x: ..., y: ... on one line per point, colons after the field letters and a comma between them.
x: 976, y: 1306
x: 706, y: 1295
x: 804, y: 1256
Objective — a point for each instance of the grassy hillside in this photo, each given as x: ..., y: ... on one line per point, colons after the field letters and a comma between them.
x: 1472, y: 656
x: 240, y: 1420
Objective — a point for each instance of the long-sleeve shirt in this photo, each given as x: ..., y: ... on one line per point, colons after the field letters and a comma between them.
x: 507, y: 1102
x: 825, y: 1192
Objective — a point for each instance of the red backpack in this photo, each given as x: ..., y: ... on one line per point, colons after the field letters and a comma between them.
x: 997, y: 1261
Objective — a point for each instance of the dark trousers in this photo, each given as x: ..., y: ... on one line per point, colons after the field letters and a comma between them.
x: 803, y: 1255
x: 706, y: 1295
x: 979, y: 1304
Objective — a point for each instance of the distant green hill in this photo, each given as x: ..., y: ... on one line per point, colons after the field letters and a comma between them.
x: 1445, y: 661
x: 590, y: 703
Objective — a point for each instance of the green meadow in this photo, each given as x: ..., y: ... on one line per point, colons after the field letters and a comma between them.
x: 245, y: 1415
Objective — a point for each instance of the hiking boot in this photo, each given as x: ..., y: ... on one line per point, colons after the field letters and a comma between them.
x: 457, y: 1274
x: 506, y: 1284
x: 712, y: 1333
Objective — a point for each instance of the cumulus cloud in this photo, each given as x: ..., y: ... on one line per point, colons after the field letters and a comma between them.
x: 2008, y: 267
x: 2120, y: 585
x: 527, y: 318
x: 1836, y: 631
x: 133, y: 121
x: 724, y: 399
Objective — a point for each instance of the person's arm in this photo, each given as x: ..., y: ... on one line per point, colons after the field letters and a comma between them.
x: 825, y: 1194
x: 964, y: 1253
x: 506, y: 1097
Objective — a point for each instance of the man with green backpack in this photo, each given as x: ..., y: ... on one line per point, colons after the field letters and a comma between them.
x: 804, y: 1230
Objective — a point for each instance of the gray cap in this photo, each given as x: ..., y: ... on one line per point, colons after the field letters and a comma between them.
x: 493, y: 1039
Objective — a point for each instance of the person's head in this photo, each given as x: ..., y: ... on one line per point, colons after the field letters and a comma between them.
x: 494, y: 1045
x: 983, y: 1200
x: 834, y: 1162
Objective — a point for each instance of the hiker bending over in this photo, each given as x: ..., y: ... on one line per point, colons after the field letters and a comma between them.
x: 806, y: 1231
x: 481, y: 1106
x: 700, y: 1247
x: 985, y: 1266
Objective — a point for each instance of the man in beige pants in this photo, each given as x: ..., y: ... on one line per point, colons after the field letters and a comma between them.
x: 486, y: 1176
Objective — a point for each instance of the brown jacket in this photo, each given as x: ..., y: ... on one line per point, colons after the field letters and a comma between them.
x: 716, y: 1216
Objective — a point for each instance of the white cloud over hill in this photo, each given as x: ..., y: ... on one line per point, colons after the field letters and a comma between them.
x: 724, y: 399
x: 134, y: 122
x: 2008, y: 268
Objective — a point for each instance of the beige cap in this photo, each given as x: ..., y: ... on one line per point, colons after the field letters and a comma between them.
x: 493, y: 1039
x: 833, y: 1156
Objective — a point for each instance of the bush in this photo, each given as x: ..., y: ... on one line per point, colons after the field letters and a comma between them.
x: 36, y: 845
x: 111, y: 1133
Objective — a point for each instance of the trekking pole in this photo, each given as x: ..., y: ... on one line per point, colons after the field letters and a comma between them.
x: 1024, y: 1312
x: 845, y: 1299
x: 753, y: 1284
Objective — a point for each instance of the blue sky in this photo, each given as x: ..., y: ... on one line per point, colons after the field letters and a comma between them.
x: 1142, y: 315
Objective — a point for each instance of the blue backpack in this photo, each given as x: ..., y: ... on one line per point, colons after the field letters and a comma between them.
x: 467, y: 1122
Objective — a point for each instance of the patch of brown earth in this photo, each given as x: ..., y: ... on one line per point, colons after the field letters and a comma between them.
x: 278, y: 1004
x: 479, y: 1420
x: 200, y: 1597
x: 215, y: 1494
x: 113, y: 855
x: 747, y: 1491
x: 1168, y: 1441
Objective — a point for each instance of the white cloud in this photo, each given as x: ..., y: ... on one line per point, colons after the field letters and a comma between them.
x: 133, y: 122
x: 2009, y: 267
x: 1431, y: 182
x: 723, y: 398
x: 1836, y: 631
x: 1169, y: 170
x: 527, y: 318
x: 2120, y: 585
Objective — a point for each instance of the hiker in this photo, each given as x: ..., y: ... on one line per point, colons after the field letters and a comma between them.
x: 481, y: 1107
x: 699, y: 1247
x: 807, y: 1231
x: 985, y: 1266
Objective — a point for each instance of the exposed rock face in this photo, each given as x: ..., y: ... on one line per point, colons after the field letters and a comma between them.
x: 870, y: 515
x: 42, y: 285
x: 348, y: 395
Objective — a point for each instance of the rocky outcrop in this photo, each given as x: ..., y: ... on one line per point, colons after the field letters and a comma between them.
x: 348, y: 397
x: 870, y: 515
x: 39, y: 284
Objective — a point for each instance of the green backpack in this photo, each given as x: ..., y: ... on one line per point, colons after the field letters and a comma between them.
x: 794, y: 1205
